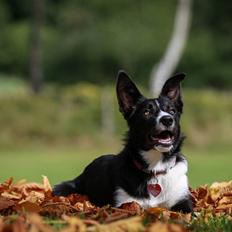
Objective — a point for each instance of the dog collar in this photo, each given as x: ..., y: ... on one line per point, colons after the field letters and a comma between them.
x: 155, y: 188
x: 150, y: 172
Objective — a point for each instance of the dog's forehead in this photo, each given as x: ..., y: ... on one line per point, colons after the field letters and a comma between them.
x: 155, y: 103
x: 150, y: 103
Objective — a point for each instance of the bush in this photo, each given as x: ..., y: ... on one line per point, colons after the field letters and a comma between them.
x: 70, y: 113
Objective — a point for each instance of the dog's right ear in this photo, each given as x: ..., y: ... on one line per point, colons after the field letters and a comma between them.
x: 127, y: 93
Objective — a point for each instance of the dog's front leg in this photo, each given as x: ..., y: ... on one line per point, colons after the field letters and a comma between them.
x: 184, y: 206
x: 65, y: 188
x: 178, y: 194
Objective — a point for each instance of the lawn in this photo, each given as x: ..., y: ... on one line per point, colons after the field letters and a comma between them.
x: 72, y: 113
x: 65, y: 162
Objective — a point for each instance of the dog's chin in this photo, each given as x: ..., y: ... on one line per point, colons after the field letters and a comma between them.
x: 161, y: 148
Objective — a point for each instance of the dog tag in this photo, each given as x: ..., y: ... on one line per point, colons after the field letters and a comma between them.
x: 154, y: 189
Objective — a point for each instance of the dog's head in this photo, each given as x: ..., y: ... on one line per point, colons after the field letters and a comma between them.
x: 153, y: 123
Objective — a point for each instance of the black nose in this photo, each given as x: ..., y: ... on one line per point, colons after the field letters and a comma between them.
x: 167, y: 120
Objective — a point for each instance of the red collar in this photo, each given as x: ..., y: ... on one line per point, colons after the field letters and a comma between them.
x: 152, y: 173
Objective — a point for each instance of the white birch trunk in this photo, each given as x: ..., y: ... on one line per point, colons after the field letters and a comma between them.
x: 165, y: 68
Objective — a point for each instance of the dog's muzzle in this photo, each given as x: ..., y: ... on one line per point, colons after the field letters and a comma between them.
x: 162, y: 139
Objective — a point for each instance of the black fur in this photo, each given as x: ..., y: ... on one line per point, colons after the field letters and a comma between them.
x: 100, y: 178
x: 184, y: 206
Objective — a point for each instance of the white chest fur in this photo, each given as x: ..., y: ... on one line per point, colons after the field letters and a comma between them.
x: 174, y: 183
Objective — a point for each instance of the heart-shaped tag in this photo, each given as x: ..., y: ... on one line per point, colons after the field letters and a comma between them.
x: 154, y: 189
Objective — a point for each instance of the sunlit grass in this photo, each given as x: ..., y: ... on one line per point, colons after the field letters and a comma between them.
x: 209, y: 165
x: 65, y: 162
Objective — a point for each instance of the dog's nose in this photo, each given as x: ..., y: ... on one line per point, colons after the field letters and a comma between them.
x: 167, y: 120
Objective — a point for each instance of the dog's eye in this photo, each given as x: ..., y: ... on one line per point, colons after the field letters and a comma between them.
x: 172, y: 111
x: 147, y: 112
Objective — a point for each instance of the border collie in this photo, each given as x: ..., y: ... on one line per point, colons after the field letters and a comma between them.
x: 150, y: 170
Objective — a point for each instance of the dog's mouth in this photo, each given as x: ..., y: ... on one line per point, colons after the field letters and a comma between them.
x: 163, y: 138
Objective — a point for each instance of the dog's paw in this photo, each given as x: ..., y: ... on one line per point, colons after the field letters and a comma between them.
x: 184, y: 206
x: 64, y: 189
x: 58, y: 190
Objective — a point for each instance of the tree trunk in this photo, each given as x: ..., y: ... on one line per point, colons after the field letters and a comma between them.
x: 107, y: 114
x: 165, y: 68
x: 35, y: 59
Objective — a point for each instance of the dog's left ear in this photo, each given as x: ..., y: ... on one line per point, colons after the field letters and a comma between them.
x: 172, y: 90
x: 127, y: 93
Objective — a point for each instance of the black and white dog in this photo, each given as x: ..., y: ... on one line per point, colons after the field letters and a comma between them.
x: 150, y: 170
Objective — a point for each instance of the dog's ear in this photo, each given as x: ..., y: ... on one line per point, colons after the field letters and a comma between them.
x: 127, y: 93
x: 172, y: 90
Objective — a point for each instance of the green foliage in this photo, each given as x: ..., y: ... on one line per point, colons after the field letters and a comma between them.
x: 63, y: 113
x: 207, y: 117
x: 91, y: 40
x: 214, y: 224
x: 73, y: 112
x: 208, y: 54
x: 11, y: 85
x: 101, y: 39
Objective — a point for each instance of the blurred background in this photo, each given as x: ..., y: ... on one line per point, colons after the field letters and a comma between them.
x: 58, y: 66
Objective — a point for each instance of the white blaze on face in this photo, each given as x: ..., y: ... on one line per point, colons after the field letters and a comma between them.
x: 161, y: 127
x: 160, y: 115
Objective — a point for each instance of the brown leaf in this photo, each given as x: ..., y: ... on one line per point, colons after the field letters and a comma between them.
x: 5, y: 203
x: 74, y: 198
x: 74, y: 224
x: 37, y: 224
x: 156, y: 211
x: 19, y: 225
x: 131, y: 224
x: 225, y: 200
x: 6, y: 184
x: 134, y: 207
x: 12, y: 195
x: 22, y: 197
x: 1, y: 224
x: 57, y: 209
x: 166, y: 227
x: 219, y: 189
x: 166, y: 215
x: 46, y: 184
x: 27, y: 206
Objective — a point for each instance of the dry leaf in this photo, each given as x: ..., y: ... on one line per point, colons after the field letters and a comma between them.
x: 132, y: 206
x: 5, y: 203
x: 38, y: 224
x: 165, y: 227
x: 19, y: 226
x: 23, y: 197
x: 46, y: 184
x: 6, y: 184
x: 27, y: 206
x: 1, y: 224
x: 12, y: 195
x: 133, y: 224
x: 74, y: 224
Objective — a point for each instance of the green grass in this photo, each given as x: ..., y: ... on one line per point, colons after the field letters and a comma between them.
x: 214, y: 224
x: 58, y: 163
x: 65, y: 162
x: 207, y: 166
x: 11, y: 85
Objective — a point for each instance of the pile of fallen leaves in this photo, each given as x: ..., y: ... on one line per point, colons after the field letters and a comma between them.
x: 32, y: 207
